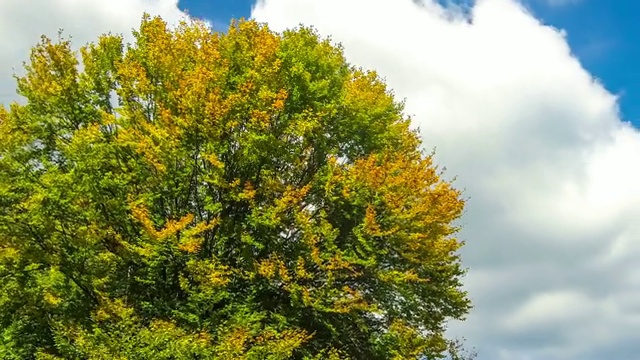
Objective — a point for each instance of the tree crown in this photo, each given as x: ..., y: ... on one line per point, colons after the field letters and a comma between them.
x: 193, y: 195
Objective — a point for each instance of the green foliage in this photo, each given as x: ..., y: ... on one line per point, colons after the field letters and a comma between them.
x: 241, y: 196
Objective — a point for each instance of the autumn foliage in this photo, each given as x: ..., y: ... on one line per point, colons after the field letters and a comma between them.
x: 196, y: 195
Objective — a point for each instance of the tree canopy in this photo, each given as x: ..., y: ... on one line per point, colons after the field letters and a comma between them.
x: 197, y: 195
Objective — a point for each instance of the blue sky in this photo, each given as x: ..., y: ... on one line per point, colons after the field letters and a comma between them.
x: 218, y: 12
x: 602, y: 34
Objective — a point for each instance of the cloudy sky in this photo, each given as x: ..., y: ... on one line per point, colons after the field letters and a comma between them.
x: 531, y: 104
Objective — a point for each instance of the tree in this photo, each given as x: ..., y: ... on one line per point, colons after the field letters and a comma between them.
x: 197, y: 195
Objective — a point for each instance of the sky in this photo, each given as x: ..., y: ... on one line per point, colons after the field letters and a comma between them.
x: 532, y: 105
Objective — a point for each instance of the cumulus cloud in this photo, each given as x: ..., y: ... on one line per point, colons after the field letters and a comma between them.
x: 538, y: 145
x: 23, y: 22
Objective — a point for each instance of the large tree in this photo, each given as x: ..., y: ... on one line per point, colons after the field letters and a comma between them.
x: 196, y: 195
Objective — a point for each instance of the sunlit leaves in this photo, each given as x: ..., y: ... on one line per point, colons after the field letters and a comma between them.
x: 195, y: 195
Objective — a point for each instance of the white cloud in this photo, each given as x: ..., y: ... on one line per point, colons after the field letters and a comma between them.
x: 23, y: 22
x: 551, y: 308
x: 539, y: 146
